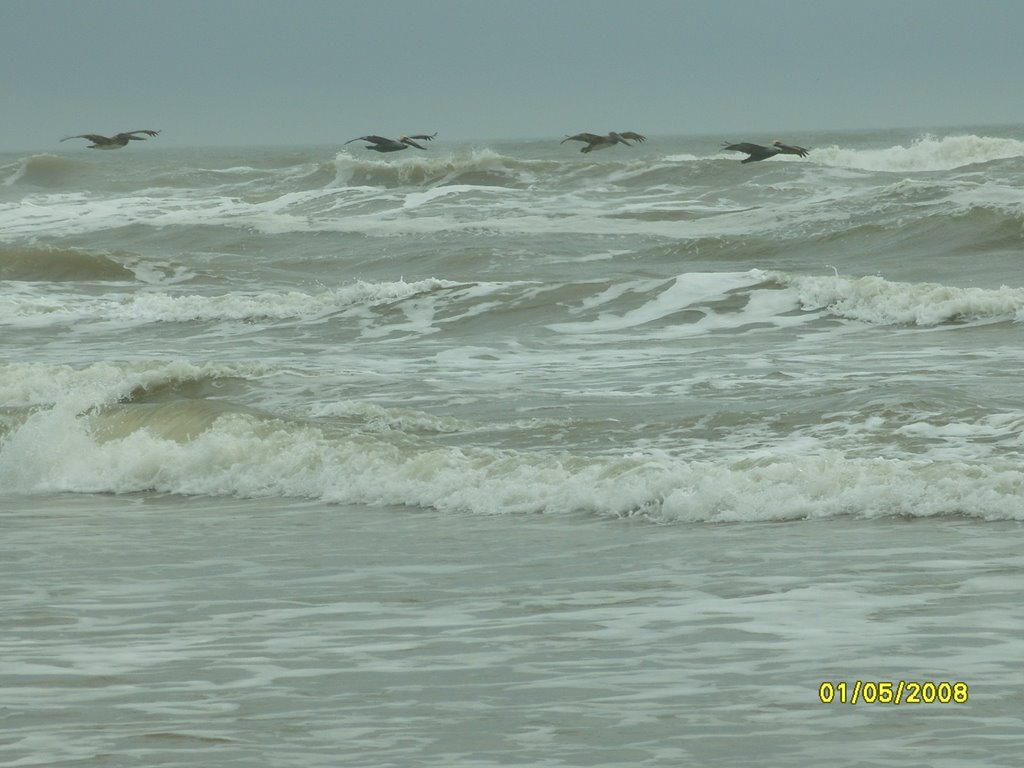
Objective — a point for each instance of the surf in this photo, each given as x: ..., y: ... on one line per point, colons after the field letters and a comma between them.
x: 210, y: 449
x: 926, y: 153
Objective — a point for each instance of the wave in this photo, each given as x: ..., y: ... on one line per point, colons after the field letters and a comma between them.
x: 675, y: 196
x: 475, y: 167
x: 31, y: 309
x: 927, y: 153
x: 46, y: 264
x: 178, y: 427
x: 32, y: 386
x: 482, y: 167
x: 206, y: 448
x: 41, y: 171
x: 877, y: 301
x: 692, y: 303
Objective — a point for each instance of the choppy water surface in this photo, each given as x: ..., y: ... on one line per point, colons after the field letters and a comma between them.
x: 276, y: 426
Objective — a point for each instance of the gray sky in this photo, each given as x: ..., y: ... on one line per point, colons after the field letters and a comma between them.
x: 251, y: 72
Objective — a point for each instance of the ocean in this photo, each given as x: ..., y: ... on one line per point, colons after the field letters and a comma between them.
x: 500, y: 453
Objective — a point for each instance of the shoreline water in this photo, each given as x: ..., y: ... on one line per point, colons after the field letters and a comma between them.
x: 311, y: 633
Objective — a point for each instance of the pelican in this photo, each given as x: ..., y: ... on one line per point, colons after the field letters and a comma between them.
x: 759, y: 152
x: 382, y: 144
x: 593, y: 141
x: 113, y: 142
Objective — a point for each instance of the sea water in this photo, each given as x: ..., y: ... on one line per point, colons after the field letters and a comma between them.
x: 500, y: 453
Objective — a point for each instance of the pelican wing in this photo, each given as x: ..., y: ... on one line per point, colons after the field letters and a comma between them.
x: 95, y: 138
x: 756, y: 151
x: 381, y: 143
x: 790, y: 149
x: 746, y: 146
x: 409, y: 140
x: 589, y: 138
x: 131, y: 134
x: 371, y: 139
x: 633, y: 136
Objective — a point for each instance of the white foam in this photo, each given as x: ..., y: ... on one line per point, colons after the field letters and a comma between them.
x: 925, y: 154
x: 380, y: 419
x: 692, y: 291
x: 873, y: 299
x: 239, y: 454
x: 76, y: 389
x: 33, y: 309
x: 432, y: 167
x: 676, y: 295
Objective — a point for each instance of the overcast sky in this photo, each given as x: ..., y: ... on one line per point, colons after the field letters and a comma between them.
x: 251, y: 72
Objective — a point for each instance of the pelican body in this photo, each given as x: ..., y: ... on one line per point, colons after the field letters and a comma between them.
x: 596, y: 141
x: 112, y: 142
x: 757, y: 152
x: 383, y: 144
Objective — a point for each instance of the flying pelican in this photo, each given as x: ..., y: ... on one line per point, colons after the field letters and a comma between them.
x: 759, y: 152
x: 112, y: 142
x: 381, y: 144
x: 593, y: 141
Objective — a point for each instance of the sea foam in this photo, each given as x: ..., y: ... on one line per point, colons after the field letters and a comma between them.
x: 927, y: 153
x: 239, y: 454
x: 878, y: 301
x: 32, y: 309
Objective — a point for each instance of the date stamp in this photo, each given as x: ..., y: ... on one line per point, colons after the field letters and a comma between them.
x: 892, y: 692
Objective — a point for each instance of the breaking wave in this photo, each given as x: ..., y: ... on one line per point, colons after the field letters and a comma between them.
x: 43, y: 170
x: 928, y: 153
x: 688, y: 304
x: 477, y: 167
x: 176, y: 428
x: 877, y: 301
